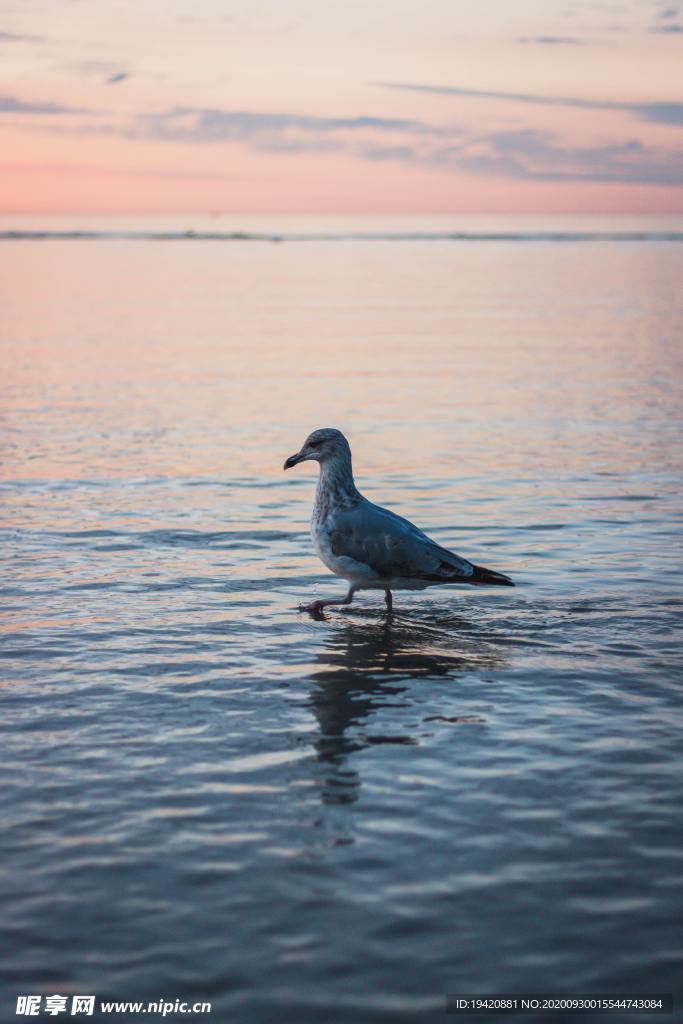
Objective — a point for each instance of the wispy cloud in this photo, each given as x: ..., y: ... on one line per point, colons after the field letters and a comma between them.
x: 659, y: 113
x: 109, y: 72
x: 19, y: 37
x: 540, y: 156
x: 550, y: 40
x: 268, y: 130
x: 11, y: 105
x: 524, y: 154
x: 669, y: 12
x: 665, y: 22
x: 449, y: 147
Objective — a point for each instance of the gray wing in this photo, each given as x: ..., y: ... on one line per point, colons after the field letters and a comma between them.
x: 393, y: 547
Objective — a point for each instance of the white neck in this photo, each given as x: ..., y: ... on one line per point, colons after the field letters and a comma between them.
x: 336, y: 487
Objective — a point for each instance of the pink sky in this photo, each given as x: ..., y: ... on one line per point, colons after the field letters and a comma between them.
x: 408, y: 106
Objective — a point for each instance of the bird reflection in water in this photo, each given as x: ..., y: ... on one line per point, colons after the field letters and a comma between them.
x: 367, y: 666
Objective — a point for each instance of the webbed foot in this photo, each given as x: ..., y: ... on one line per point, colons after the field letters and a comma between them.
x: 315, y: 610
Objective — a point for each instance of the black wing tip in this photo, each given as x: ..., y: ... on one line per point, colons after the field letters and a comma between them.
x: 479, y: 578
x: 485, y: 577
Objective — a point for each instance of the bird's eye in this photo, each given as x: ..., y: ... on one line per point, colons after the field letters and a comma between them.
x: 314, y: 444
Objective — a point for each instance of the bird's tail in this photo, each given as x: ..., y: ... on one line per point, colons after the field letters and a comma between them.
x: 487, y: 577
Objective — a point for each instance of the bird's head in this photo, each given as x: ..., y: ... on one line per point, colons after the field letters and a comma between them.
x: 321, y: 446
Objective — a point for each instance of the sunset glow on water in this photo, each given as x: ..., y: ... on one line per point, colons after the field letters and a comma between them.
x: 209, y: 793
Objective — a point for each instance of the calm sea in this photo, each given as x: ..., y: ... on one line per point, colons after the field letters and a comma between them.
x: 207, y: 795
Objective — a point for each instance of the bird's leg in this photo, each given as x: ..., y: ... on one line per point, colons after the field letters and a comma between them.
x: 317, y: 606
x: 389, y: 601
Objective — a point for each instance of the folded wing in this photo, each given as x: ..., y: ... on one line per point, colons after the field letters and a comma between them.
x: 394, y: 548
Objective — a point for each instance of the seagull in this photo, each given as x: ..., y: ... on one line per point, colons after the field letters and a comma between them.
x: 367, y: 545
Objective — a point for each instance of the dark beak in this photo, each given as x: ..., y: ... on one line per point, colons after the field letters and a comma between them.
x: 293, y: 460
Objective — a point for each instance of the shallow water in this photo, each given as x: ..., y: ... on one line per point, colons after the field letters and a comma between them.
x: 207, y: 794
